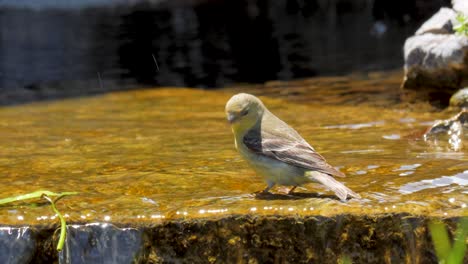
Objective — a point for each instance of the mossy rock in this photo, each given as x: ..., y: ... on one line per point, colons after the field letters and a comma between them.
x: 384, y: 238
x: 460, y: 98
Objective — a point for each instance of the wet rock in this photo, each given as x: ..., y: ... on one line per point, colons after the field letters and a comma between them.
x: 451, y: 130
x: 443, y: 126
x: 388, y: 238
x: 435, y: 57
x: 436, y: 61
x: 460, y: 99
x: 440, y: 23
x: 102, y: 243
x: 17, y: 245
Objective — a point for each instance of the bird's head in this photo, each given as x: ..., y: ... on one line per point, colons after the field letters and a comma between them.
x: 244, y: 110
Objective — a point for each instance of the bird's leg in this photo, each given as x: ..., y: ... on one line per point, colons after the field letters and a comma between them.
x: 292, y: 190
x: 270, y: 185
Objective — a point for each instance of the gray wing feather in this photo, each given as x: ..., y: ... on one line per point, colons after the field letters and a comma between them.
x: 289, y: 150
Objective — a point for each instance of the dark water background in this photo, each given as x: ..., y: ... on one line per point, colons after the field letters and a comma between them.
x: 49, y: 51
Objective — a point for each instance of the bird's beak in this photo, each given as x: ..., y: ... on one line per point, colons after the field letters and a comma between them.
x: 231, y: 118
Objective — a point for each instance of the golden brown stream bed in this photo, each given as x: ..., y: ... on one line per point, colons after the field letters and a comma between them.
x: 148, y: 155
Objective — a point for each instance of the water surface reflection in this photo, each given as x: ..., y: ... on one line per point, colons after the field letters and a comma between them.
x: 53, y: 53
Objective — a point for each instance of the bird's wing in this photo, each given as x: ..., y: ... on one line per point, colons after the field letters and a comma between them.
x: 294, y: 151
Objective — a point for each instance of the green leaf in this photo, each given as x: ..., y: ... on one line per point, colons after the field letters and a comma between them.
x: 35, y: 195
x: 446, y: 253
x: 45, y: 195
x: 63, y: 224
x: 440, y: 239
x: 461, y: 28
x: 459, y: 246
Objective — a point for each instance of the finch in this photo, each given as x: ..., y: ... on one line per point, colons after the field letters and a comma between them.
x: 276, y: 151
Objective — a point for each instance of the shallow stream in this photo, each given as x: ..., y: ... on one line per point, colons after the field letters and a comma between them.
x: 167, y: 153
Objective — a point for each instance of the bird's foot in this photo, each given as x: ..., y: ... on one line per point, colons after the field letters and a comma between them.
x: 286, y: 190
x: 282, y: 190
x: 291, y: 192
x: 262, y: 192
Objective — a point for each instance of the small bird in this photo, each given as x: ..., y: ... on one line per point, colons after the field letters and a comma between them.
x: 276, y: 151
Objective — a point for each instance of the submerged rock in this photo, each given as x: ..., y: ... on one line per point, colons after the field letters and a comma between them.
x: 443, y: 126
x: 453, y: 129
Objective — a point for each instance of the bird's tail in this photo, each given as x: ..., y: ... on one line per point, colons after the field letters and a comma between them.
x: 340, y: 190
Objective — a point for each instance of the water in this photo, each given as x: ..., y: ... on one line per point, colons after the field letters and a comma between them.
x: 65, y: 51
x: 16, y: 244
x: 149, y: 155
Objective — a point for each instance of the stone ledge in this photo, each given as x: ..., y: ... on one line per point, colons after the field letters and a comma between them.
x: 390, y: 238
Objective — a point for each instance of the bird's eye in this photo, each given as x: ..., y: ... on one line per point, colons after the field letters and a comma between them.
x: 244, y: 113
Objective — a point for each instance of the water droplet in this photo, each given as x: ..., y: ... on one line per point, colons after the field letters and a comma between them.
x: 157, y: 216
x: 407, y: 120
x: 406, y: 173
x: 408, y: 167
x: 391, y: 137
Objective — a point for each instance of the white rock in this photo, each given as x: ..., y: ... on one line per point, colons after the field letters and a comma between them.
x: 435, y: 60
x: 433, y: 51
x: 460, y: 6
x: 440, y: 23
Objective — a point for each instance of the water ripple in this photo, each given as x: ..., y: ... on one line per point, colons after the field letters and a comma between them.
x: 459, y: 179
